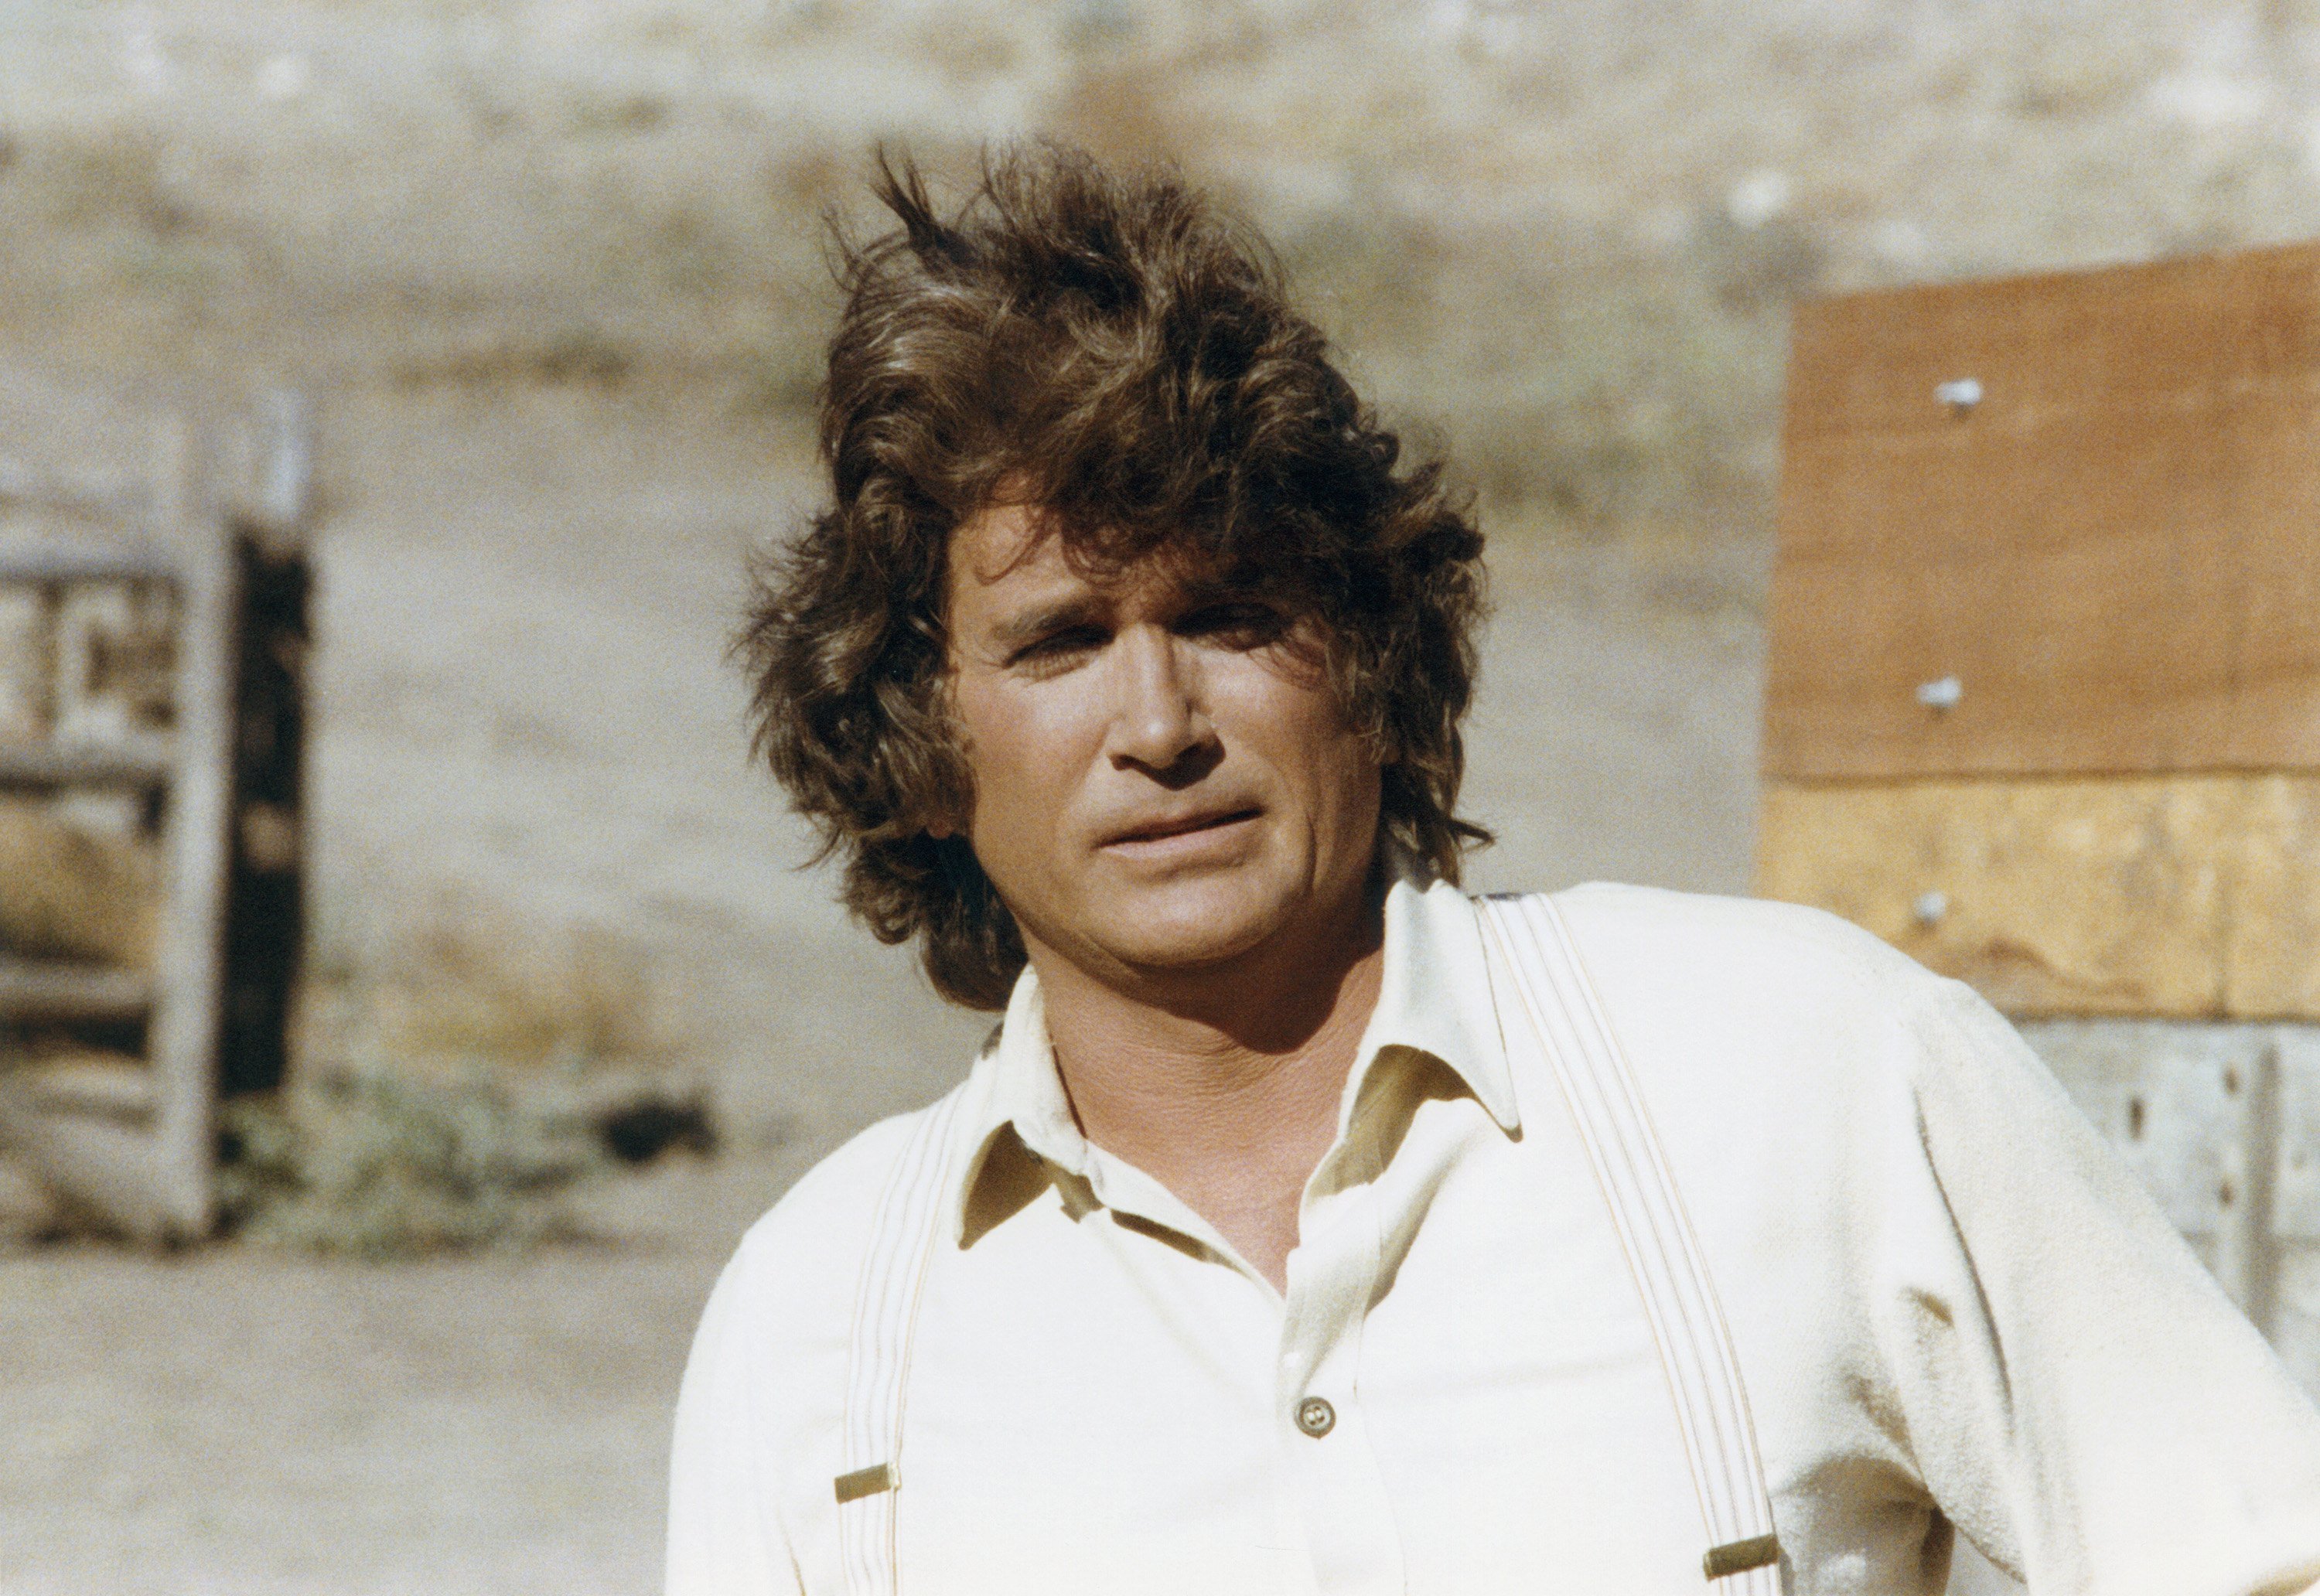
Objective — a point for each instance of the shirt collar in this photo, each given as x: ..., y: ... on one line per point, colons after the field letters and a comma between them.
x: 1434, y: 998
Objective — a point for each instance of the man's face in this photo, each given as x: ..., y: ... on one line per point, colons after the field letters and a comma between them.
x: 1163, y: 778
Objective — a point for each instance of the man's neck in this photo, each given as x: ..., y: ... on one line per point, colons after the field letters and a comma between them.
x: 1224, y: 1084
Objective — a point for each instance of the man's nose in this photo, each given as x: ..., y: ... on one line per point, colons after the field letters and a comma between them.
x: 1158, y: 718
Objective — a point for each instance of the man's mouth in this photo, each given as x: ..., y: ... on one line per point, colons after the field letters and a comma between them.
x: 1175, y: 826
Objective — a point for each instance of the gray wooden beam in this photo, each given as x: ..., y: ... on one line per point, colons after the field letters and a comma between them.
x: 48, y: 766
x: 46, y: 991
x: 47, y: 561
x: 113, y: 1087
x: 188, y: 1017
x: 113, y: 497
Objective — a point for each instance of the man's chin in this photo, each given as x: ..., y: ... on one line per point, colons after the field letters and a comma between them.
x: 1191, y: 936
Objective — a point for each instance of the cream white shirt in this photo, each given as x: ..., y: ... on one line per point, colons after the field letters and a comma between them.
x: 1951, y: 1304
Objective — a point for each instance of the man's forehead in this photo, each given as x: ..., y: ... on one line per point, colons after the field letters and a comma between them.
x: 1014, y: 553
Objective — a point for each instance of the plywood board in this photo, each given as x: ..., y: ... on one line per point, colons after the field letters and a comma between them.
x: 2113, y: 555
x: 2272, y: 953
x: 2194, y: 896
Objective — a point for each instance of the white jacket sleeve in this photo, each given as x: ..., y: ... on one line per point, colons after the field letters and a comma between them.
x: 724, y: 1539
x: 2083, y: 1401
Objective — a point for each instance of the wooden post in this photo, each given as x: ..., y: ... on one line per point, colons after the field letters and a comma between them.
x: 265, y: 904
x: 188, y: 1018
x: 282, y: 498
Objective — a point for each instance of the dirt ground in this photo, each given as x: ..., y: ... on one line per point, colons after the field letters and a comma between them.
x: 233, y: 1421
x: 550, y: 274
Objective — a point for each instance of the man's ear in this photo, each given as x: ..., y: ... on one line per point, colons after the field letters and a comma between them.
x: 946, y: 818
x: 943, y: 816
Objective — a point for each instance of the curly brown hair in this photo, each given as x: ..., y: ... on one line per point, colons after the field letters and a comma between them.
x: 1117, y: 351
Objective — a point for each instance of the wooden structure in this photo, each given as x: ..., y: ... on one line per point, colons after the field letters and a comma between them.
x: 2042, y: 705
x: 2043, y: 701
x: 110, y: 1073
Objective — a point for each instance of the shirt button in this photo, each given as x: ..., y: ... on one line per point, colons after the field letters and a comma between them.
x: 1316, y: 1418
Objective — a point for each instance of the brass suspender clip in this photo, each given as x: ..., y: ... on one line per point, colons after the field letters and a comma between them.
x: 871, y: 1481
x: 1739, y: 1557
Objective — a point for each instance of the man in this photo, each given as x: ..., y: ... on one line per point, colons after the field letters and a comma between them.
x: 1305, y: 1225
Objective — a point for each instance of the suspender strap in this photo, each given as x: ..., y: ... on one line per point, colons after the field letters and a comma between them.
x: 878, y: 1358
x: 1695, y: 1343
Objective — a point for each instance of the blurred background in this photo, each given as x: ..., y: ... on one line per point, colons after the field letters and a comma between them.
x: 551, y: 279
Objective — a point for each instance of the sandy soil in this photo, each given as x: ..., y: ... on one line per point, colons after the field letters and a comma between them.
x: 230, y: 1422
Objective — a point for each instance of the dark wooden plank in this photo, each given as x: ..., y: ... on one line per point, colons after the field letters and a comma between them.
x: 2115, y: 554
x: 1872, y: 363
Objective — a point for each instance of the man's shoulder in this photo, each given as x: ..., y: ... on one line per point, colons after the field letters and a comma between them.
x: 1717, y: 938
x: 1612, y: 905
x: 1786, y: 1056
x: 799, y: 1261
x: 1796, y: 988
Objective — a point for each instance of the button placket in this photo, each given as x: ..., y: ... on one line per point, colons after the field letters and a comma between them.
x: 1351, y: 1536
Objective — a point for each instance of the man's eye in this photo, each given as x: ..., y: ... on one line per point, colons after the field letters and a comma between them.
x: 1059, y: 645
